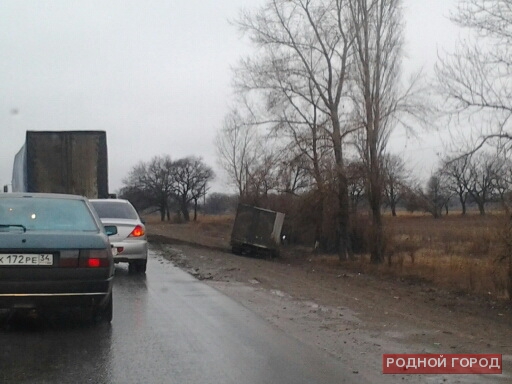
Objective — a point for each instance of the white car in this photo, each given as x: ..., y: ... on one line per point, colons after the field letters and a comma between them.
x: 130, y: 243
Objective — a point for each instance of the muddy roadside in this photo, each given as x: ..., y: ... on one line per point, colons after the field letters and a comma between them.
x: 353, y: 316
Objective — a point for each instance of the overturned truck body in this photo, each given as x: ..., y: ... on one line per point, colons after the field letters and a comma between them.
x: 256, y: 230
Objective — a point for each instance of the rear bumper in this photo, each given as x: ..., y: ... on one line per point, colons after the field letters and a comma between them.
x: 54, y: 294
x: 131, y: 250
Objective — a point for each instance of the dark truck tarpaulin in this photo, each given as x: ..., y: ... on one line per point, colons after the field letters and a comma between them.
x: 73, y: 162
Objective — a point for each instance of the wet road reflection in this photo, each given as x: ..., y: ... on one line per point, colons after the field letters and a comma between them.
x: 167, y: 328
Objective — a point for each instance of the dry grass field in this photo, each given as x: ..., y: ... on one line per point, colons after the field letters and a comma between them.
x: 210, y: 231
x: 463, y: 254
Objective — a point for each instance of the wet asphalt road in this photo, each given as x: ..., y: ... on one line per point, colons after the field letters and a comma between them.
x: 168, y: 327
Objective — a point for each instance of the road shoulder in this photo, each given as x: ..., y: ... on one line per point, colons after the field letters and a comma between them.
x: 340, y: 311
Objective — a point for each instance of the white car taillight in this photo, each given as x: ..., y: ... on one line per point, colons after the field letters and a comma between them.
x: 138, y: 231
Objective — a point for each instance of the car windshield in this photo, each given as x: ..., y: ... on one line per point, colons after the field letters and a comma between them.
x: 45, y: 214
x: 115, y: 210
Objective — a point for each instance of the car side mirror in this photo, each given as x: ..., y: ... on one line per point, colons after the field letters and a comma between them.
x: 111, y: 230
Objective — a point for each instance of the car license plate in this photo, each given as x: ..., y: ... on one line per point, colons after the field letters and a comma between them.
x: 26, y: 259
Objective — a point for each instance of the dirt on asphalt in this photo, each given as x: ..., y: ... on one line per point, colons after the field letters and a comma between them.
x: 353, y: 316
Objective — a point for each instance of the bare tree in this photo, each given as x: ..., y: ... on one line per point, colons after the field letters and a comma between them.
x: 456, y: 172
x: 250, y: 159
x: 136, y: 196
x: 153, y: 179
x: 484, y: 172
x: 237, y: 144
x: 503, y: 180
x: 190, y: 177
x: 378, y: 40
x: 436, y: 195
x: 294, y: 102
x: 264, y: 176
x: 357, y: 183
x: 302, y: 120
x: 311, y: 43
x: 481, y: 181
x: 476, y: 80
x: 293, y: 174
x: 395, y: 179
x: 413, y: 199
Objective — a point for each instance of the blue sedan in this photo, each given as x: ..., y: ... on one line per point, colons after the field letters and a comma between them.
x: 54, y: 252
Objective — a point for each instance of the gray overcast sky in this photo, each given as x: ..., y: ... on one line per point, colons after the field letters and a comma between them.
x: 155, y: 74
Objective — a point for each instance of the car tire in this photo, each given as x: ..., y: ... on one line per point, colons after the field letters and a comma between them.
x: 104, y: 314
x: 137, y: 266
x: 108, y: 310
x: 141, y: 265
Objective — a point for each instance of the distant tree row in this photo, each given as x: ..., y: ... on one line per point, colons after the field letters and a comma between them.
x: 166, y: 184
x: 480, y: 178
x: 477, y: 178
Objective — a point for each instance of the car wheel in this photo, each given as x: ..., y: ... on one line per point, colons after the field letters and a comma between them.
x: 132, y: 267
x: 105, y: 313
x: 108, y: 311
x: 137, y: 266
x: 141, y: 266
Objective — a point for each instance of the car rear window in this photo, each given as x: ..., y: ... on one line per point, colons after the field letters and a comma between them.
x: 45, y: 214
x: 115, y: 210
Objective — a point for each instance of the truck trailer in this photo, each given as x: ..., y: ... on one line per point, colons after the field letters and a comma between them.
x: 256, y: 230
x: 73, y: 162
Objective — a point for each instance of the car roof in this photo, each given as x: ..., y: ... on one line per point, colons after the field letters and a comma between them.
x: 43, y: 195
